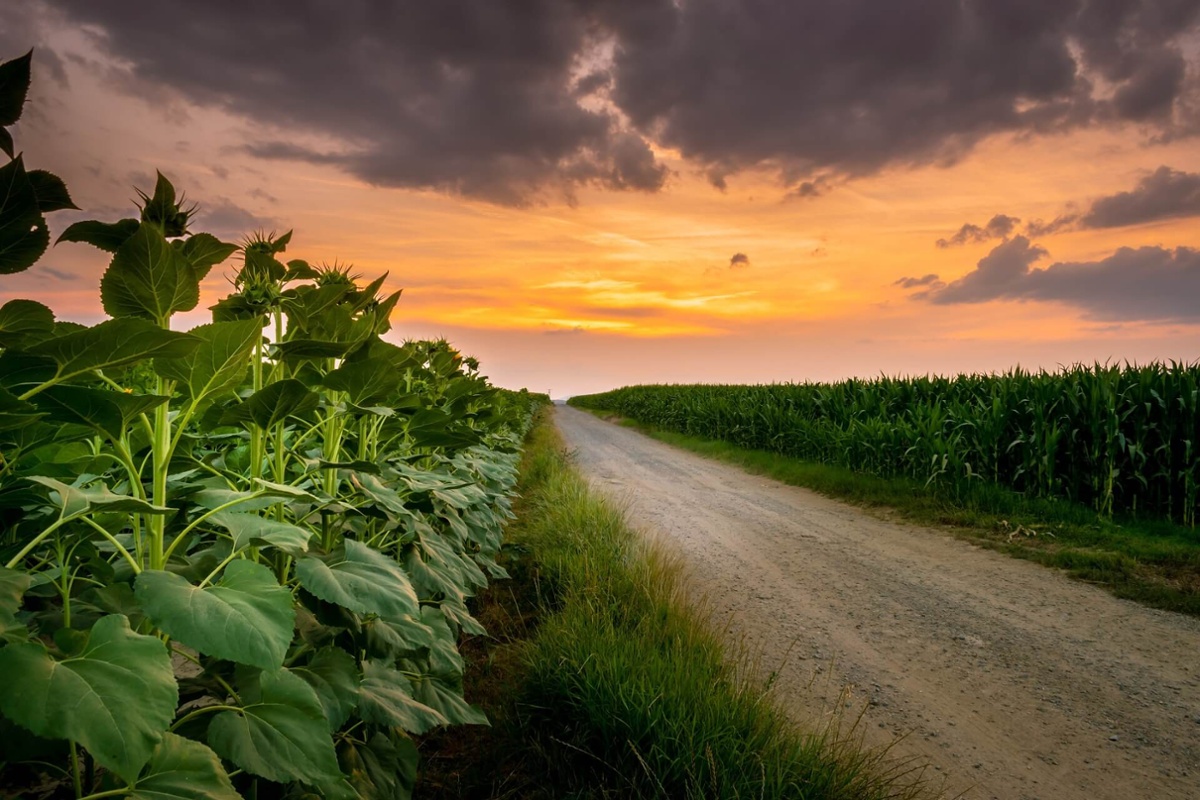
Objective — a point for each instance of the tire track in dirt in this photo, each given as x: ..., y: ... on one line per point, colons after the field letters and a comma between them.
x: 1013, y: 681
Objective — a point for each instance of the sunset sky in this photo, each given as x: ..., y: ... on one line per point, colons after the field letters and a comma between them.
x: 591, y: 193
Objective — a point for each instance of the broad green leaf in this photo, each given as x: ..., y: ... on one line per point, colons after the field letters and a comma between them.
x: 12, y: 630
x: 395, y: 635
x: 116, y: 697
x: 108, y: 236
x: 385, y: 697
x: 105, y: 411
x: 305, y: 303
x: 73, y: 501
x: 280, y: 734
x: 386, y: 767
x: 13, y: 585
x: 447, y: 700
x: 263, y: 497
x: 24, y: 321
x: 50, y: 191
x: 23, y: 232
x: 114, y: 343
x: 360, y: 579
x: 444, y: 658
x: 300, y: 270
x: 204, y: 251
x: 16, y: 413
x: 246, y: 617
x: 333, y: 675
x: 219, y: 364
x: 274, y: 403
x: 181, y: 769
x: 456, y: 611
x: 148, y: 278
x: 14, y: 86
x: 367, y: 382
x: 247, y: 529
x: 311, y: 349
x: 283, y: 490
x: 6, y: 143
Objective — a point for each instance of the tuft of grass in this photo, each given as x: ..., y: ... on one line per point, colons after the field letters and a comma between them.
x: 1153, y: 562
x: 615, y: 687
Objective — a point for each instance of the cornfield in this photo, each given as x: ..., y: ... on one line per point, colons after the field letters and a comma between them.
x: 1120, y: 439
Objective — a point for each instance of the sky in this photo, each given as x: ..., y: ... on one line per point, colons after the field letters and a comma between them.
x: 586, y: 194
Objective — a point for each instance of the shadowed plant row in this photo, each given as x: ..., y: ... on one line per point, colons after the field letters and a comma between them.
x: 234, y: 561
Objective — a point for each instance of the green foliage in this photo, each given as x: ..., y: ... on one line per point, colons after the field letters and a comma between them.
x: 209, y: 538
x: 1122, y: 440
x: 181, y: 769
x: 116, y: 696
x: 624, y: 689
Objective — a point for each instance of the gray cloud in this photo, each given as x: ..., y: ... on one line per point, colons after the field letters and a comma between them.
x: 1164, y: 194
x: 486, y: 97
x: 925, y: 280
x: 1146, y: 283
x: 229, y: 221
x: 1038, y: 228
x: 739, y: 260
x: 846, y: 87
x: 998, y: 227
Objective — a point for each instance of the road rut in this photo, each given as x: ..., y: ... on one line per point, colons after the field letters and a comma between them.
x: 1011, y: 680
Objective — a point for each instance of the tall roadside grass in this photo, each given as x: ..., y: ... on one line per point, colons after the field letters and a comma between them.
x: 623, y: 690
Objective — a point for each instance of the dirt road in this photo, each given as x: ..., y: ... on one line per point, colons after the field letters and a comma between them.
x: 1013, y: 681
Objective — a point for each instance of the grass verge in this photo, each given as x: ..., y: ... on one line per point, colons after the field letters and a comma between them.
x: 1153, y: 562
x: 602, y: 682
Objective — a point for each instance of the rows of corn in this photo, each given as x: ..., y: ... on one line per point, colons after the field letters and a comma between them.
x: 1119, y: 439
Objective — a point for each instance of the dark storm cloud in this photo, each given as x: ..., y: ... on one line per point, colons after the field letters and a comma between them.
x: 998, y: 227
x: 739, y: 260
x: 1164, y: 194
x: 503, y: 99
x: 1147, y: 283
x: 849, y: 86
x: 466, y: 96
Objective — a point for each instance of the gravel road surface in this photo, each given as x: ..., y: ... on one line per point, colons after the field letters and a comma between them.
x: 1011, y: 680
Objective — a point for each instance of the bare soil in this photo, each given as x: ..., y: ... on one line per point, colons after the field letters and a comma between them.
x: 1012, y: 681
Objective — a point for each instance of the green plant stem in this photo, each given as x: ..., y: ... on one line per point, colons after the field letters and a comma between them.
x: 218, y: 568
x: 75, y: 777
x: 200, y: 712
x: 41, y: 537
x: 160, y: 465
x: 110, y: 793
x: 133, y: 562
x: 198, y: 520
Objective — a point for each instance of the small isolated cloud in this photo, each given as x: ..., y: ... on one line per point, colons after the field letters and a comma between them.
x: 813, y: 188
x: 1164, y: 194
x: 1000, y: 226
x: 1145, y: 284
x: 913, y: 283
x: 738, y: 260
